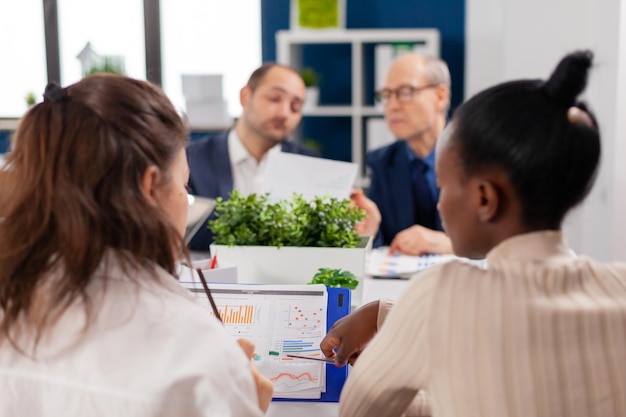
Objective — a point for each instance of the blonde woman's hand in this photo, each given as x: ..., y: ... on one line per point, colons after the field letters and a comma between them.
x: 264, y: 386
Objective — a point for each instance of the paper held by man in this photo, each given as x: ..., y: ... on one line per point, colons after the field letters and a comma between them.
x: 289, y: 173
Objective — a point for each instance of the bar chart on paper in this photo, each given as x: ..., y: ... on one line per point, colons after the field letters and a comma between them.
x: 298, y: 346
x: 236, y: 314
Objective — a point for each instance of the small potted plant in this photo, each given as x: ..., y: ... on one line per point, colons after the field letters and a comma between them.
x: 311, y: 80
x: 30, y: 99
x: 335, y: 278
x: 107, y: 64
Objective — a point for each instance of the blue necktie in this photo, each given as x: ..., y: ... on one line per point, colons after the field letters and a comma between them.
x: 425, y: 210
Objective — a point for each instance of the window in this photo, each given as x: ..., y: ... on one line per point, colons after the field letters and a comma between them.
x: 198, y: 37
x: 113, y: 28
x: 210, y: 37
x: 23, y: 55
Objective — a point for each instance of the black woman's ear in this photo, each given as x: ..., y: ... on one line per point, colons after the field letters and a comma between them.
x: 489, y: 201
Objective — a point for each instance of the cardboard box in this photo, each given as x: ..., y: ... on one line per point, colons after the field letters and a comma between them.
x: 208, y: 113
x: 293, y: 265
x: 202, y: 86
x: 225, y: 273
x: 190, y: 279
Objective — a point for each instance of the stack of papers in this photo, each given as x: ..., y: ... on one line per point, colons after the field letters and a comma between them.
x: 382, y: 264
x: 279, y: 320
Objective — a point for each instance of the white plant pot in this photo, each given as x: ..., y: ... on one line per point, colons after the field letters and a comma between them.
x: 293, y: 264
x: 311, y: 98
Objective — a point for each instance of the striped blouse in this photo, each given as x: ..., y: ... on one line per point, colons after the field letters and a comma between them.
x: 539, y: 333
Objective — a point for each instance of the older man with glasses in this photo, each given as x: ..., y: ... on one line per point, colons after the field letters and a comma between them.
x: 416, y: 98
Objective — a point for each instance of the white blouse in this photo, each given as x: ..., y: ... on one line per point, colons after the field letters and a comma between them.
x: 539, y: 333
x: 149, y: 351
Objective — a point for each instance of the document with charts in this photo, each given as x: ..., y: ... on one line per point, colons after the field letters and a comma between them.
x: 380, y: 263
x: 279, y: 320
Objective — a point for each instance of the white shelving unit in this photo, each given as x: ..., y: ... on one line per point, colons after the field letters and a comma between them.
x: 9, y: 124
x: 289, y: 43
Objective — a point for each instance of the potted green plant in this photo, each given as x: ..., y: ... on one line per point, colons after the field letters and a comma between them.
x: 311, y: 80
x: 335, y: 278
x: 30, y: 99
x: 288, y: 241
x: 107, y: 64
x: 256, y: 221
x: 310, y: 77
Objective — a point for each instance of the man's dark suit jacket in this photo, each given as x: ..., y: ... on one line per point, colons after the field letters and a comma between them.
x: 211, y: 174
x: 392, y: 190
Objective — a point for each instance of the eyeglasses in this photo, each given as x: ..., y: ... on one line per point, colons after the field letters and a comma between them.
x: 404, y: 93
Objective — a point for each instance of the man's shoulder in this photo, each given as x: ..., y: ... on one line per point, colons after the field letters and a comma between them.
x: 215, y: 145
x: 385, y: 153
x: 208, y: 141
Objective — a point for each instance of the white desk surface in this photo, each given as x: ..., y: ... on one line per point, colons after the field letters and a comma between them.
x: 302, y: 409
x: 377, y: 288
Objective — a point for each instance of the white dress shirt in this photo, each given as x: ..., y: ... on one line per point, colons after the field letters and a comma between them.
x: 149, y: 350
x: 248, y: 173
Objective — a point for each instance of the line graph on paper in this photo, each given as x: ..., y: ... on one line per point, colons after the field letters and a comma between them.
x: 289, y: 380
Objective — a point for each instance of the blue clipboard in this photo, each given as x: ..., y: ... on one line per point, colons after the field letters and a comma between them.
x: 339, y: 302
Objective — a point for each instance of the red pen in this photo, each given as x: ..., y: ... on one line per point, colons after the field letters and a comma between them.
x: 214, y: 261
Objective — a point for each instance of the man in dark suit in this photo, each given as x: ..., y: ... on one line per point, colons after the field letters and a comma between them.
x: 416, y: 98
x: 235, y: 160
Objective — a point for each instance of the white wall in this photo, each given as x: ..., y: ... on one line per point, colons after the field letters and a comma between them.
x: 618, y: 184
x: 509, y: 39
